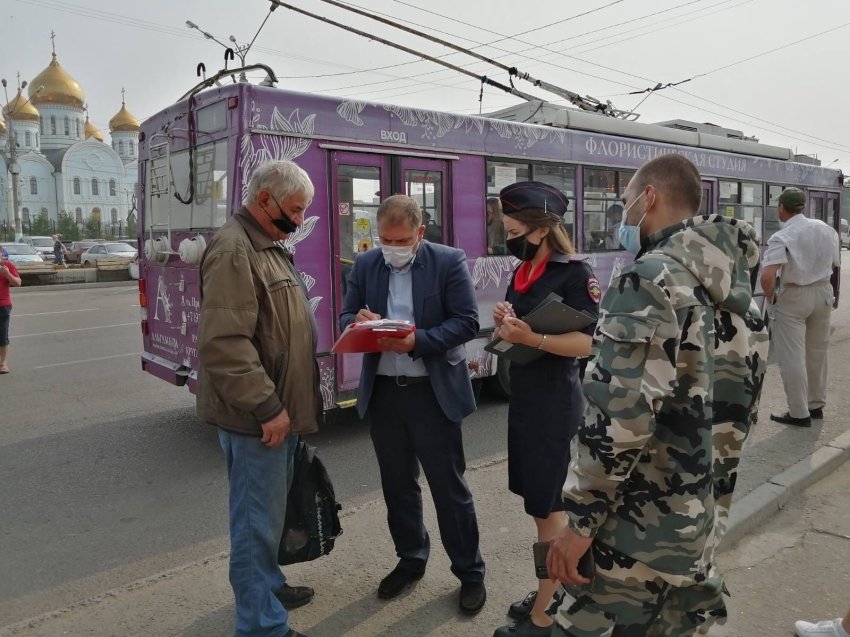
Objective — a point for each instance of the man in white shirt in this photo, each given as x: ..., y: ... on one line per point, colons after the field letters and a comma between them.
x: 804, y: 254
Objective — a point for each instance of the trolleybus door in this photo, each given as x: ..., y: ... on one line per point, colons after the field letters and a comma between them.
x: 359, y: 183
x: 707, y: 206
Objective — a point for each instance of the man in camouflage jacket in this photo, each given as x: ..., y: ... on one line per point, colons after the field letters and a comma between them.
x: 680, y: 355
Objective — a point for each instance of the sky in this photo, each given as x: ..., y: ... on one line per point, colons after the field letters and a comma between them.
x: 796, y: 97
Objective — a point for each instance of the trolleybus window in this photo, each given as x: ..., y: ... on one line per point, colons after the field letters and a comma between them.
x: 603, y: 208
x: 359, y: 192
x: 208, y: 210
x: 426, y: 187
x: 564, y: 179
x: 742, y: 200
x: 499, y: 175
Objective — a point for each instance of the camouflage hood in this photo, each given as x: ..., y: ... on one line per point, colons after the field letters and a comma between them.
x: 722, y: 253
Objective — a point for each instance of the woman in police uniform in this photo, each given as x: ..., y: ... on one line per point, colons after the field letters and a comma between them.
x: 546, y: 404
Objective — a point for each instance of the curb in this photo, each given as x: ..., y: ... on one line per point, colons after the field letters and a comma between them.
x: 765, y: 501
x: 59, y: 287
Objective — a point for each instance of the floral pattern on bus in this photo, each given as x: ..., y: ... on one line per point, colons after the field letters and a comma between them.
x: 490, y: 269
x: 433, y: 124
x: 274, y: 146
x: 479, y: 365
x: 326, y: 382
x: 309, y: 282
x: 525, y: 136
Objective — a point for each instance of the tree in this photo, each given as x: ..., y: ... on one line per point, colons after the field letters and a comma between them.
x: 92, y: 227
x: 40, y: 226
x: 132, y: 226
x: 67, y: 227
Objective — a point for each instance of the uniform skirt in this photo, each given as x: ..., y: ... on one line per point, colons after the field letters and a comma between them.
x: 546, y: 407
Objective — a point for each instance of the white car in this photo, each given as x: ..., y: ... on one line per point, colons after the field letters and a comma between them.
x: 21, y: 253
x: 108, y: 251
x: 42, y: 245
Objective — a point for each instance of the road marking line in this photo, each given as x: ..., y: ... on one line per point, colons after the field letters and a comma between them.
x: 80, y: 329
x: 94, y: 309
x: 88, y: 360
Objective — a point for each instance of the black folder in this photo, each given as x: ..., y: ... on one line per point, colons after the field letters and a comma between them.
x: 550, y: 317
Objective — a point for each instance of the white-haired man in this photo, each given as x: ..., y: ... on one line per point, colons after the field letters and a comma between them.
x: 258, y: 383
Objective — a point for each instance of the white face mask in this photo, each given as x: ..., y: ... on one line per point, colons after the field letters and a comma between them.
x: 398, y: 256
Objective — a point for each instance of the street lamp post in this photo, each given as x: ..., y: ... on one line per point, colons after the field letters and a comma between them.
x: 14, y: 166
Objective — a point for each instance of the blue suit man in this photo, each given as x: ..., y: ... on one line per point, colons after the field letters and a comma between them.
x: 416, y: 395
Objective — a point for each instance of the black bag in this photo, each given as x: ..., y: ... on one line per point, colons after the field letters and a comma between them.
x: 312, y: 513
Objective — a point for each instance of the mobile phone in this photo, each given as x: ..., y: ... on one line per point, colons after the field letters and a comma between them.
x: 586, y: 566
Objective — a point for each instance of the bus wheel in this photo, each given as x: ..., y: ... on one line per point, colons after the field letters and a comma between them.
x: 500, y: 384
x: 477, y: 384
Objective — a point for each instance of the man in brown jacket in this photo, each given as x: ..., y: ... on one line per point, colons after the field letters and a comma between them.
x: 259, y: 384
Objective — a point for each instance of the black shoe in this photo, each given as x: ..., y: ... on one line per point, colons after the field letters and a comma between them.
x: 396, y: 582
x: 293, y: 597
x: 523, y: 628
x: 816, y: 414
x: 293, y: 633
x: 473, y: 595
x: 786, y: 419
x: 518, y: 610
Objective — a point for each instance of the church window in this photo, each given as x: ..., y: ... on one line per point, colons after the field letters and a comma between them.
x: 25, y: 215
x: 41, y: 125
x: 95, y: 187
x: 33, y: 186
x: 28, y: 139
x: 95, y: 213
x: 78, y: 215
x: 114, y: 215
x: 36, y: 139
x: 111, y: 187
x: 17, y: 139
x: 120, y: 148
x: 52, y: 124
x: 132, y: 149
x: 77, y: 186
x: 78, y: 128
x: 67, y: 126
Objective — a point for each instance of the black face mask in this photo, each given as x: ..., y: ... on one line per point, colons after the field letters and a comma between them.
x: 284, y: 223
x: 522, y: 248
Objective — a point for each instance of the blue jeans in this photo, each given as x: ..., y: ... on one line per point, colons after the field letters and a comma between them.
x: 260, y: 478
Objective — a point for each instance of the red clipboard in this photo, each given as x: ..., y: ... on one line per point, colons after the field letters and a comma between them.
x: 362, y: 338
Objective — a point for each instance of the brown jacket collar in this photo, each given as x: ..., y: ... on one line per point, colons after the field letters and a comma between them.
x: 259, y: 239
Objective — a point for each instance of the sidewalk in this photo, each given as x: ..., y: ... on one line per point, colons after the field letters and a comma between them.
x: 787, y: 571
x: 797, y: 567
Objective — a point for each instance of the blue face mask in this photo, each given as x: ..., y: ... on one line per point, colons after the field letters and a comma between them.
x: 629, y: 236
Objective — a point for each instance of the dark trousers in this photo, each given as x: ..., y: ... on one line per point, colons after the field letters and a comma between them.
x: 408, y: 429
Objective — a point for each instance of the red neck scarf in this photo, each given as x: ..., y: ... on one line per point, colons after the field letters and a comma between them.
x: 525, y: 278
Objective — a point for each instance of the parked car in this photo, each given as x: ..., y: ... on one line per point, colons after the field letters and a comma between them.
x: 21, y: 253
x: 108, y: 251
x: 79, y: 248
x: 132, y: 242
x: 43, y: 245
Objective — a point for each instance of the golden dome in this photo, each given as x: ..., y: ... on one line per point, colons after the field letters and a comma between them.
x: 19, y: 110
x: 92, y: 131
x: 59, y: 87
x: 2, y: 129
x: 124, y: 122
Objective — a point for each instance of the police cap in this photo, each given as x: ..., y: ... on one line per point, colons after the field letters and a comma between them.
x: 533, y: 194
x: 792, y: 199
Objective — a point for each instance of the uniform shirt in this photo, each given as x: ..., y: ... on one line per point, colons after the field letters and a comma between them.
x: 807, y: 249
x: 5, y: 294
x: 400, y: 308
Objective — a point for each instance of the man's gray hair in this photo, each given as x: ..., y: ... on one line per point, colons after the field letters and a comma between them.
x: 282, y: 179
x: 400, y: 209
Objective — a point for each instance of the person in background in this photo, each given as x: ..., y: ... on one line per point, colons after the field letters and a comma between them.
x: 830, y: 628
x: 9, y: 278
x: 258, y: 382
x: 805, y: 252
x: 672, y: 392
x: 433, y: 233
x: 495, y: 227
x: 614, y: 218
x: 59, y: 251
x: 546, y: 403
x: 417, y: 394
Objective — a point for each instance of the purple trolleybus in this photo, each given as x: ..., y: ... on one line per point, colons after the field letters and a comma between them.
x: 197, y: 157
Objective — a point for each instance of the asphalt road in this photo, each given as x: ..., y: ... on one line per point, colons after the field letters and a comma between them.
x: 107, y: 477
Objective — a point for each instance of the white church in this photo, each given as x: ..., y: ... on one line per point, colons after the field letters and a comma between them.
x: 66, y: 168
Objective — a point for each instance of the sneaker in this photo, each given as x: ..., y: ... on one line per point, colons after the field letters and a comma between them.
x: 821, y: 629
